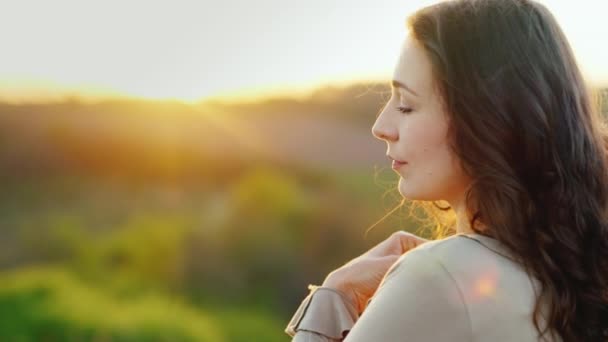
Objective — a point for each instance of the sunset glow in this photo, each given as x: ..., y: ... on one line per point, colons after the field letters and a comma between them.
x: 191, y: 50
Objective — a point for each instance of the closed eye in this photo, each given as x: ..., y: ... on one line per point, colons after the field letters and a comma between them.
x: 405, y: 110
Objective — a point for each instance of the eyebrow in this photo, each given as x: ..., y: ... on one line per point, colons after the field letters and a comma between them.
x: 397, y: 84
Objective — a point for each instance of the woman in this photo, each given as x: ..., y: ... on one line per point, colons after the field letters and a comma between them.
x: 489, y: 112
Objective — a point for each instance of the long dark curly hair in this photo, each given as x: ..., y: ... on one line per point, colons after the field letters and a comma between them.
x: 527, y: 131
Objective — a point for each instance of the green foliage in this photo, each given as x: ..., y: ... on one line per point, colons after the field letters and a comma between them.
x: 147, y: 247
x: 266, y: 193
x: 50, y: 304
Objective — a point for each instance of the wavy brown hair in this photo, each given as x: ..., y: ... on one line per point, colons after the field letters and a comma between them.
x: 527, y: 131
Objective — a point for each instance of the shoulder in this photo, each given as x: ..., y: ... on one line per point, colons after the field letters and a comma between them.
x: 452, y: 246
x: 463, y: 255
x: 477, y: 274
x: 443, y: 256
x: 424, y: 260
x: 480, y: 269
x: 417, y: 295
x: 434, y: 262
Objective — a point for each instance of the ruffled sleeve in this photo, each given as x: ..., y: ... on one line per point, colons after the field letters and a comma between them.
x: 324, y: 315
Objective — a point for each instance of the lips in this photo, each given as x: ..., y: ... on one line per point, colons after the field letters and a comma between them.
x: 397, y: 163
x: 396, y: 160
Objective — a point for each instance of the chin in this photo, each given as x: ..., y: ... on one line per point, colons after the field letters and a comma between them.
x: 410, y: 190
x: 406, y: 191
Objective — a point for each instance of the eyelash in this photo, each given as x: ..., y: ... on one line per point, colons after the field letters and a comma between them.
x: 404, y: 110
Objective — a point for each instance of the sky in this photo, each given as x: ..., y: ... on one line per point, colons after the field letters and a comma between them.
x: 193, y: 50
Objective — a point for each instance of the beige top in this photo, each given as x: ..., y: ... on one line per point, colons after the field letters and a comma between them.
x: 466, y: 287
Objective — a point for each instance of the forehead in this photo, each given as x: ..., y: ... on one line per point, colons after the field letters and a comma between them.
x: 413, y: 67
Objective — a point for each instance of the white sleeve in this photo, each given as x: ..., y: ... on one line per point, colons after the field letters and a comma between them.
x: 325, y: 315
x: 417, y: 301
x: 309, y: 336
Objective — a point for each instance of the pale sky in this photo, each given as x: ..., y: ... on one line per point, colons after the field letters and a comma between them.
x: 189, y: 50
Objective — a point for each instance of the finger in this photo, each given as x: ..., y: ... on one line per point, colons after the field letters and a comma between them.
x: 387, y: 263
x: 387, y: 259
x: 390, y: 259
x: 380, y: 265
x: 398, y: 243
x: 390, y: 246
x: 410, y: 241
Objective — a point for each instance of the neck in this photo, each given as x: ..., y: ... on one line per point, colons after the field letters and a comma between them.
x: 462, y: 218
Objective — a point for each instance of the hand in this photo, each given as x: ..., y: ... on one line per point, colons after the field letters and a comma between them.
x: 359, y: 278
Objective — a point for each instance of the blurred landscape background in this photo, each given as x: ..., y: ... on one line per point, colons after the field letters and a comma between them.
x: 182, y: 170
x: 158, y: 221
x: 153, y: 220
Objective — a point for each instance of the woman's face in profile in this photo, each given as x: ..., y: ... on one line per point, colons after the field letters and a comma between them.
x: 414, y: 126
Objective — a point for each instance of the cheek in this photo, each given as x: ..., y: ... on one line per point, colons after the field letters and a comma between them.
x: 425, y: 140
x: 434, y: 165
x: 432, y: 173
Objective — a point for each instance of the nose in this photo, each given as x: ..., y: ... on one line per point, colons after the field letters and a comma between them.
x: 382, y: 129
